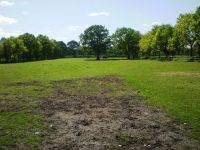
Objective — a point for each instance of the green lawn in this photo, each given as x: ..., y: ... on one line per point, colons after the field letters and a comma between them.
x: 173, y: 86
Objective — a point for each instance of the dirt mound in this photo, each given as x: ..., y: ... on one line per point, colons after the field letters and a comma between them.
x: 97, y: 120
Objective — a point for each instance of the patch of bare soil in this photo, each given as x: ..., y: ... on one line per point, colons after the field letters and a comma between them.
x: 98, y: 121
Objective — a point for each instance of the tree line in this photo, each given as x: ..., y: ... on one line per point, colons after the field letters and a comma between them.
x: 181, y: 39
x: 27, y: 47
x: 163, y: 40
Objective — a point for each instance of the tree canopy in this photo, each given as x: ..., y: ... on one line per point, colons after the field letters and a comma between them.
x: 195, y: 27
x: 127, y: 40
x: 184, y: 29
x: 183, y: 38
x: 73, y: 46
x: 97, y: 38
x: 162, y: 37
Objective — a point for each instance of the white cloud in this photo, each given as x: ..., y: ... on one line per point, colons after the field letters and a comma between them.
x: 104, y: 14
x: 145, y: 25
x: 6, y: 3
x: 96, y: 14
x: 93, y: 14
x: 4, y: 33
x: 7, y: 20
x: 74, y: 28
x: 155, y: 23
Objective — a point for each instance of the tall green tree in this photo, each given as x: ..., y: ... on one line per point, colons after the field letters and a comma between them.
x: 63, y: 47
x: 8, y: 48
x: 184, y: 29
x: 46, y: 46
x: 97, y: 38
x: 195, y: 27
x: 19, y: 49
x: 56, y: 49
x: 1, y: 49
x: 127, y: 40
x: 73, y: 46
x: 175, y: 46
x: 13, y: 48
x: 31, y: 44
x: 161, y: 38
x: 145, y: 43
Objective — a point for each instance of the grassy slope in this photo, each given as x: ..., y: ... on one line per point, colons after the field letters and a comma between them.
x: 178, y: 94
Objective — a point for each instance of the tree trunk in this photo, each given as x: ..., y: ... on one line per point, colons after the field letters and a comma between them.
x: 191, y: 50
x: 198, y: 49
x: 165, y: 51
x: 98, y: 57
x: 129, y: 56
x: 159, y: 54
x: 30, y: 55
x: 149, y: 55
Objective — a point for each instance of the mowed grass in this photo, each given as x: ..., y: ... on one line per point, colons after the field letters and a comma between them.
x: 173, y: 86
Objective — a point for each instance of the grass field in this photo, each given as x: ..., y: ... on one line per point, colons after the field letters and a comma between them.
x: 173, y: 86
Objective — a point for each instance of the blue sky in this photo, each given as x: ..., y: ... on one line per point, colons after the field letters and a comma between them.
x: 66, y: 19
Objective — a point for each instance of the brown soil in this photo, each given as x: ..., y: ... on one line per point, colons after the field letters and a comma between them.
x: 80, y: 120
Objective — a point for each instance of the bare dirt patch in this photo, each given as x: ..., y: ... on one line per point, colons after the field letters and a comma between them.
x: 94, y: 120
